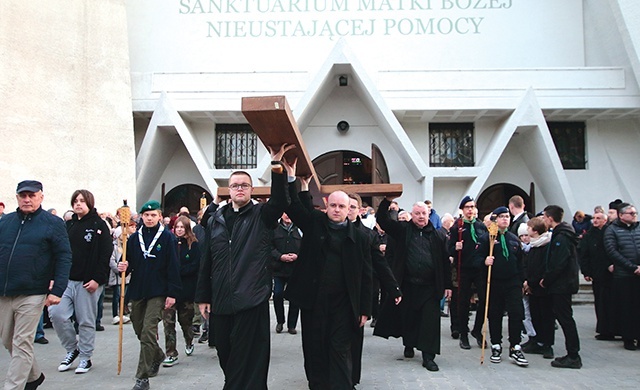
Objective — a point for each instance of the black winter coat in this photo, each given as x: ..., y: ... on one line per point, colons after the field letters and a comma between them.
x: 622, y: 243
x: 284, y: 240
x: 234, y: 274
x: 468, y: 245
x: 561, y: 264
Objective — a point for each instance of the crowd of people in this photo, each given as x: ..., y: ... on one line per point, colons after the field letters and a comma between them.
x: 338, y: 266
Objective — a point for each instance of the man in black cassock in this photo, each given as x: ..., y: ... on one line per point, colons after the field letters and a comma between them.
x: 422, y: 268
x: 332, y: 286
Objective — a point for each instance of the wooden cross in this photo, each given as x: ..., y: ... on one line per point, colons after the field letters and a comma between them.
x: 272, y: 120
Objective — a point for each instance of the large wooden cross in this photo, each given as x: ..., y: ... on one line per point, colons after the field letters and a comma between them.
x: 272, y: 120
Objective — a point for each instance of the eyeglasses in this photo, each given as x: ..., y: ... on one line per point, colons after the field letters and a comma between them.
x: 503, y: 216
x: 469, y: 207
x: 631, y: 213
x: 243, y: 186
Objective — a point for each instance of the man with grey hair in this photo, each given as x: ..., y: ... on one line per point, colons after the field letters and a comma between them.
x: 622, y: 243
x: 34, y: 253
x: 421, y: 267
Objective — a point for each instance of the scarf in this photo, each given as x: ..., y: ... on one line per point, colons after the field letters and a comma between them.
x: 503, y: 244
x: 541, y: 240
x: 472, y: 228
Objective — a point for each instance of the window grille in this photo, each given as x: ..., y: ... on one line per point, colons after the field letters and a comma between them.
x: 236, y: 147
x: 569, y: 139
x: 451, y: 145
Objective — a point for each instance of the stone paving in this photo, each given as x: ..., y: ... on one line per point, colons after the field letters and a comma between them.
x: 606, y: 364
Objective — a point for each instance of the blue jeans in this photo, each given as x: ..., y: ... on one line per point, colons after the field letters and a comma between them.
x: 40, y: 329
x: 278, y: 303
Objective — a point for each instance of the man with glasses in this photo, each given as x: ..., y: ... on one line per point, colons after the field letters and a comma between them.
x: 622, y: 243
x: 463, y: 241
x: 505, y: 294
x: 560, y: 281
x: 234, y: 285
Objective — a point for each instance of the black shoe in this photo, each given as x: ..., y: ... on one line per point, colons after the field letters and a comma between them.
x: 495, y: 354
x: 547, y: 352
x: 605, y: 337
x: 204, y: 338
x: 630, y: 345
x: 279, y: 328
x: 292, y: 331
x: 195, y: 329
x: 409, y: 352
x: 478, y: 336
x: 374, y: 322
x: 42, y: 340
x: 464, y: 341
x: 516, y: 355
x: 430, y: 365
x: 141, y: 384
x: 34, y: 385
x: 533, y: 348
x: 455, y: 334
x: 99, y: 328
x: 567, y: 362
x: 443, y: 314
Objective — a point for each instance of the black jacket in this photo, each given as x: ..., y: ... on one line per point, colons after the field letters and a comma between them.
x: 503, y: 269
x: 189, y: 266
x: 468, y: 245
x: 34, y: 249
x: 284, y: 240
x: 622, y: 243
x: 594, y: 261
x: 401, y: 233
x: 304, y: 283
x: 561, y: 263
x: 535, y: 265
x: 91, y: 245
x: 234, y: 274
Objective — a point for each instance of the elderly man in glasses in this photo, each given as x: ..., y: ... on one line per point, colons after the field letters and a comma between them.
x: 622, y: 243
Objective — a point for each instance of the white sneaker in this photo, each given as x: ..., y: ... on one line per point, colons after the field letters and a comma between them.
x: 84, y: 366
x: 116, y: 320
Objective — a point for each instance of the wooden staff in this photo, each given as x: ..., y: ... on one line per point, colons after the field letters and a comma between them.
x: 458, y: 276
x: 493, y: 234
x: 125, y: 220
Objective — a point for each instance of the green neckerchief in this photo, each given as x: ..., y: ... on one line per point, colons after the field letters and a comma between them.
x: 503, y: 243
x: 472, y: 227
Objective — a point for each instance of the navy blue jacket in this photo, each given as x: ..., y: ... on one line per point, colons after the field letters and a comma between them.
x: 34, y: 249
x: 157, y: 276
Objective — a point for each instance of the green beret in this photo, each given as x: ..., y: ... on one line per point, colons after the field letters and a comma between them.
x: 150, y: 205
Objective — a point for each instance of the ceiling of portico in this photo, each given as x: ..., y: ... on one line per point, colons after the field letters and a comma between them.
x: 426, y: 116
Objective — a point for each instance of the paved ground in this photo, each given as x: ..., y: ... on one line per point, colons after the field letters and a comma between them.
x: 606, y: 365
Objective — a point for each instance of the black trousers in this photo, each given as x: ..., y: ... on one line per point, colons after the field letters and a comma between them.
x: 542, y: 318
x: 627, y: 294
x: 604, y: 305
x: 469, y: 278
x: 421, y: 318
x: 328, y: 331
x: 243, y: 342
x: 563, y: 312
x: 356, y: 355
x: 505, y: 296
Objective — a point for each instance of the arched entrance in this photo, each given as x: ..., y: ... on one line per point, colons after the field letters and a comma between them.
x: 343, y: 167
x: 184, y: 195
x: 499, y: 194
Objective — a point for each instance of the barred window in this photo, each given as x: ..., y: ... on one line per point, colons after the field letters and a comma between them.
x: 236, y: 146
x: 451, y: 145
x: 569, y: 139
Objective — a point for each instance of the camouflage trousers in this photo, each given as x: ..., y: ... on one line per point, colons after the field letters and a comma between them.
x: 185, y: 313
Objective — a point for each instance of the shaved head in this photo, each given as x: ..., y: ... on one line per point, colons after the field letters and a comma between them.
x: 338, y: 206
